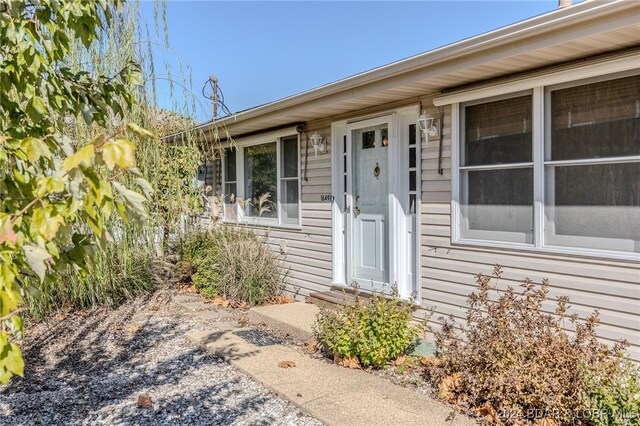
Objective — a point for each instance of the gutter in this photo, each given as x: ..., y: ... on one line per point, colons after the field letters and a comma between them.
x: 510, y: 34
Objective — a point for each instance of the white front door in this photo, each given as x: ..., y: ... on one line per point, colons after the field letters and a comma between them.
x: 371, y: 203
x: 374, y: 215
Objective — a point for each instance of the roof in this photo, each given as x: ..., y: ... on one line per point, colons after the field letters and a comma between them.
x: 577, y: 32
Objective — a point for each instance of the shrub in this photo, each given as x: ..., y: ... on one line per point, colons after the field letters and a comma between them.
x: 233, y: 263
x: 370, y: 332
x: 613, y: 395
x: 512, y: 361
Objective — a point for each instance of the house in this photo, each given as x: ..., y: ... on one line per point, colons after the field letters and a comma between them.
x: 520, y: 146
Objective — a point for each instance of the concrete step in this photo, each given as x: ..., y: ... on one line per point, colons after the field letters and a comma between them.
x: 295, y: 319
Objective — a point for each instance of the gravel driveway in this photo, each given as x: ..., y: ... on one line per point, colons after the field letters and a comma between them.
x: 91, y: 369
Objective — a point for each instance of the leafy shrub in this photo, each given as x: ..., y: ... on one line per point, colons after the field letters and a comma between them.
x: 234, y: 264
x: 368, y: 332
x: 613, y: 395
x: 512, y: 361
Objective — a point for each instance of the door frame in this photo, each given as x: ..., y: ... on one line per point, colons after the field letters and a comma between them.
x: 399, y: 244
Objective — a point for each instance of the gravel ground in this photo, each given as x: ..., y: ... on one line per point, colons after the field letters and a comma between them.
x: 91, y: 368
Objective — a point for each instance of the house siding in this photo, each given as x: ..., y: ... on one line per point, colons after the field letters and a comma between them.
x: 448, y: 270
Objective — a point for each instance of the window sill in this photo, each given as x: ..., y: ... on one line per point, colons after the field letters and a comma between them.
x: 551, y: 250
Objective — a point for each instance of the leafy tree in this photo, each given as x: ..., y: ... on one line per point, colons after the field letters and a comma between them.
x: 57, y: 193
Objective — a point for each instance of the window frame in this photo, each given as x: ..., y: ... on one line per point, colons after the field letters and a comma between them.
x: 541, y: 100
x: 477, y: 235
x: 240, y: 147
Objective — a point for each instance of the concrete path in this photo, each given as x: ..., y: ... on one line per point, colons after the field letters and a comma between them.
x: 333, y: 394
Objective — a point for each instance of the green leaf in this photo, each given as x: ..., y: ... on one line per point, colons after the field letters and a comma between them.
x: 143, y: 133
x: 16, y: 326
x: 35, y: 148
x: 44, y: 223
x: 36, y: 257
x: 10, y: 360
x: 82, y: 157
x: 119, y: 152
x: 146, y: 187
x: 134, y: 201
x: 36, y: 109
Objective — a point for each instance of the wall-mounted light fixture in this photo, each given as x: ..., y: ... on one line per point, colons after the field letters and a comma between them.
x: 427, y: 126
x: 317, y: 142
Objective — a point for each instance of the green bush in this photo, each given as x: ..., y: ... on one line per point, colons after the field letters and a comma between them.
x: 518, y: 364
x: 234, y: 264
x: 372, y: 330
x: 613, y: 395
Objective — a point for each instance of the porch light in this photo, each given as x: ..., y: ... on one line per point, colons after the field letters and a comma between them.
x: 427, y: 126
x: 317, y: 143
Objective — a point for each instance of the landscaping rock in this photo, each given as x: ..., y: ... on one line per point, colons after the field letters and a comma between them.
x: 91, y: 369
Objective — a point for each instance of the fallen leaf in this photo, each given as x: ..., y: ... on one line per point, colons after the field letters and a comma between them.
x: 348, y: 361
x: 144, y: 401
x: 286, y: 364
x: 82, y: 314
x: 488, y: 411
x: 448, y: 386
x: 133, y: 328
x: 400, y: 360
x: 546, y: 421
x: 430, y: 361
x: 311, y: 346
x: 283, y: 300
x: 154, y: 308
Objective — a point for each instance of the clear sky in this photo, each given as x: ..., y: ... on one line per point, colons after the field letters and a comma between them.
x: 264, y: 51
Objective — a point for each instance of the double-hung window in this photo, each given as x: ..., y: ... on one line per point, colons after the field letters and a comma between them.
x: 566, y: 178
x: 497, y: 170
x: 592, y: 169
x: 261, y: 182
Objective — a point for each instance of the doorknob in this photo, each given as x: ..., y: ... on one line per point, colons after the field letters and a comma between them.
x: 356, y: 211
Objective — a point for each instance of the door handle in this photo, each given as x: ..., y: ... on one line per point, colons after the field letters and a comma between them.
x: 356, y: 211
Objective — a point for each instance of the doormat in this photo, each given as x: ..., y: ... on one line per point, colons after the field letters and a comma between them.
x: 259, y: 337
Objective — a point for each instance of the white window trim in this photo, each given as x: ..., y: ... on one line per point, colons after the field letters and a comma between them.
x: 240, y: 146
x: 539, y: 86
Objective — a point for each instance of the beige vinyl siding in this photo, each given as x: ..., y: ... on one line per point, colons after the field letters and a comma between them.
x: 448, y: 271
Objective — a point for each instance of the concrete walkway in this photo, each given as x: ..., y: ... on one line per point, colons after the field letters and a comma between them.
x: 330, y: 393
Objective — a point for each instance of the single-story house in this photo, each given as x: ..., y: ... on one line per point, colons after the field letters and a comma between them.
x: 520, y: 146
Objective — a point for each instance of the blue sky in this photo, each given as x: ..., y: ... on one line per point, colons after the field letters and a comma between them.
x: 264, y: 51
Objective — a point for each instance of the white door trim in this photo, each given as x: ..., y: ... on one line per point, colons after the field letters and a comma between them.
x: 399, y: 247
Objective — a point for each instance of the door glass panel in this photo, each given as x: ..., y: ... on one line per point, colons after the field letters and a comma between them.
x: 370, y: 190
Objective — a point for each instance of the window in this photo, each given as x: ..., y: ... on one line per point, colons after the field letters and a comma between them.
x: 497, y: 170
x: 592, y: 173
x: 230, y: 187
x: 261, y: 182
x: 585, y: 196
x: 289, y: 181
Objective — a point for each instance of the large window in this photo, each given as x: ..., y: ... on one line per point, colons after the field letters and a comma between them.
x: 261, y: 182
x: 581, y: 192
x: 592, y: 173
x: 497, y: 171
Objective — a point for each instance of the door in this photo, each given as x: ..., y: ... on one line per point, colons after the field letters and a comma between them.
x: 370, y: 197
x: 370, y: 200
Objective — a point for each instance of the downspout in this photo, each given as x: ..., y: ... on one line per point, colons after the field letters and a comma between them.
x: 440, y: 171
